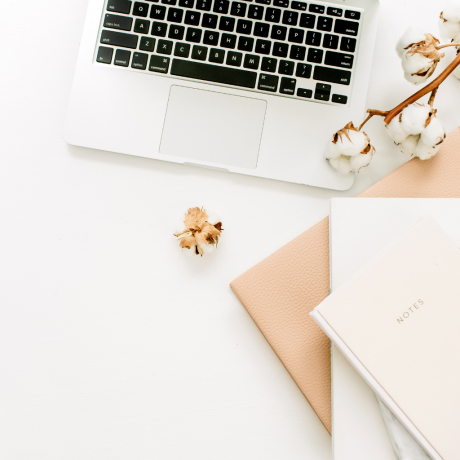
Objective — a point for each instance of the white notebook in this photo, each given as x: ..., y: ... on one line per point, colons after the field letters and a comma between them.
x: 360, y: 228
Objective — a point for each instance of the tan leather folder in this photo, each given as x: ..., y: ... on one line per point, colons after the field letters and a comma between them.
x: 281, y: 291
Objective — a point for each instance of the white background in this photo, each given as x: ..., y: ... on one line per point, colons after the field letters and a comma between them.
x: 114, y: 345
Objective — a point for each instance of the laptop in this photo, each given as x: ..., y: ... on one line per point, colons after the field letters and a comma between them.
x: 250, y: 87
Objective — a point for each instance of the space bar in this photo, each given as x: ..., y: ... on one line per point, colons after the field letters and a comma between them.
x: 217, y: 74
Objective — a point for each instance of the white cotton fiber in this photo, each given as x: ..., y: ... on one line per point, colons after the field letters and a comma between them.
x: 341, y: 164
x: 361, y: 161
x: 410, y: 36
x: 414, y: 118
x: 409, y: 145
x: 395, y: 130
x: 434, y: 133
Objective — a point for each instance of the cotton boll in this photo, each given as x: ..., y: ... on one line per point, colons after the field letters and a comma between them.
x: 410, y: 36
x: 409, y: 145
x: 361, y: 161
x: 451, y: 11
x: 434, y: 133
x: 450, y: 20
x: 341, y: 164
x: 449, y: 29
x: 425, y: 152
x: 396, y: 131
x: 352, y: 145
x: 414, y: 118
x: 416, y: 63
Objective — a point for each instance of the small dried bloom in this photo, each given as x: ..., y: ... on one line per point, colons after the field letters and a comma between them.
x: 450, y: 20
x: 419, y: 55
x: 417, y: 131
x: 199, y: 233
x: 350, y: 150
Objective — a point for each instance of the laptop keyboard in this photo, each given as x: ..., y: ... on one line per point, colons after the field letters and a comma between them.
x: 283, y: 47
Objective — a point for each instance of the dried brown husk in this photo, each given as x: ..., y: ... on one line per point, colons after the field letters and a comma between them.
x: 428, y: 49
x: 198, y: 231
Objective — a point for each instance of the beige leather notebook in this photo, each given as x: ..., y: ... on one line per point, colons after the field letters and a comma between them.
x: 396, y: 321
x: 280, y: 292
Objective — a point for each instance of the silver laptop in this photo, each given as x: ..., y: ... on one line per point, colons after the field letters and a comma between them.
x: 252, y: 87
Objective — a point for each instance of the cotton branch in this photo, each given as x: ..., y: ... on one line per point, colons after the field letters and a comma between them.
x: 371, y: 113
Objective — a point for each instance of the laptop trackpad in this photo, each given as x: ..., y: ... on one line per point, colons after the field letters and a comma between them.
x: 213, y: 127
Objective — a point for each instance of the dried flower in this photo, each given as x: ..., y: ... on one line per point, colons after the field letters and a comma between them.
x: 417, y: 131
x: 419, y: 55
x: 350, y: 150
x: 450, y: 20
x: 199, y: 233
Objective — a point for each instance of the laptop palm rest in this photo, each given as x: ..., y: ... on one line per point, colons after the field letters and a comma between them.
x: 213, y: 127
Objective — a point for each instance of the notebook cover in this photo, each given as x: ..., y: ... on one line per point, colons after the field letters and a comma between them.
x: 280, y: 292
x: 396, y: 320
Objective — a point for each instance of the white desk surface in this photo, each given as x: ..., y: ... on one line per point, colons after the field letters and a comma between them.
x: 113, y: 344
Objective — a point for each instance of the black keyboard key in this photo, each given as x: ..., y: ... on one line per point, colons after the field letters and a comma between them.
x: 346, y: 27
x: 251, y: 61
x: 339, y: 59
x: 217, y: 56
x: 348, y: 44
x: 324, y: 23
x: 159, y: 29
x: 234, y: 59
x: 296, y: 35
x: 209, y: 21
x: 299, y: 6
x: 332, y: 11
x: 278, y: 33
x: 280, y: 49
x: 141, y: 26
x: 290, y: 18
x: 122, y: 57
x: 307, y: 21
x: 261, y: 29
x: 269, y: 64
x: 193, y: 35
x: 192, y: 18
x: 175, y: 15
x: 211, y: 38
x: 164, y: 47
x: 122, y: 40
x: 286, y: 67
x: 297, y: 52
x: 322, y: 92
x: 282, y: 3
x: 255, y: 12
x: 186, y: 3
x: 199, y: 53
x: 204, y: 5
x: 221, y: 6
x: 213, y: 73
x: 141, y: 9
x: 318, y: 9
x: 238, y: 9
x: 273, y: 15
x: 169, y: 2
x: 104, y: 55
x: 147, y: 44
x: 159, y: 64
x: 182, y: 50
x: 287, y: 86
x: 244, y: 27
x: 315, y: 55
x: 332, y: 75
x: 352, y: 15
x: 227, y: 24
x: 306, y: 93
x: 176, y: 32
x: 313, y: 38
x: 264, y: 2
x: 268, y: 82
x: 228, y: 41
x: 263, y: 47
x: 331, y: 41
x: 303, y: 70
x: 119, y: 6
x: 338, y: 99
x: 158, y: 12
x: 112, y: 21
x: 246, y: 44
x: 139, y: 61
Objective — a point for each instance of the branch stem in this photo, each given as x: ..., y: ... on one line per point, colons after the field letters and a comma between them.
x: 433, y: 95
x: 428, y: 88
x: 449, y: 44
x: 371, y: 113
